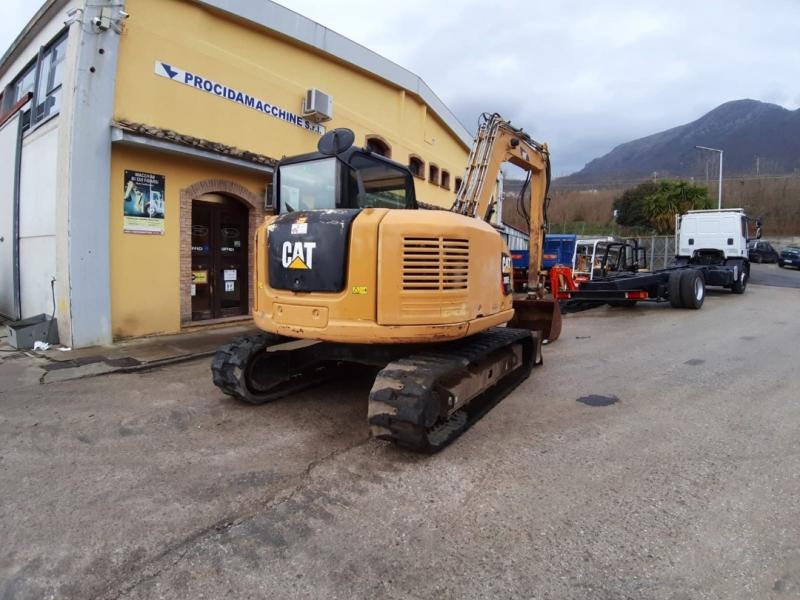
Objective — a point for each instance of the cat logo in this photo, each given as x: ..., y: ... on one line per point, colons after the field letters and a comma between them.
x: 298, y: 255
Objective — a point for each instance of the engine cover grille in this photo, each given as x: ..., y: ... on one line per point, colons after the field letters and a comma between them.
x: 435, y: 263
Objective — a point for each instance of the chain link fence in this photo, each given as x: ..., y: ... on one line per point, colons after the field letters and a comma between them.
x: 660, y: 250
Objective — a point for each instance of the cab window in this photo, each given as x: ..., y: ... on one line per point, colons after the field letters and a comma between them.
x: 308, y: 185
x: 385, y: 186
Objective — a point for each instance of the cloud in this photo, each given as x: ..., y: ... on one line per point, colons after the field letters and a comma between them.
x: 582, y: 75
x: 16, y: 14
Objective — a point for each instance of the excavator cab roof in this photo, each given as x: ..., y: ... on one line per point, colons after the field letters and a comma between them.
x: 352, y: 178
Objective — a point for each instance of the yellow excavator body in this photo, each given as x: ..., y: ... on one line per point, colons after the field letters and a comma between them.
x: 412, y: 276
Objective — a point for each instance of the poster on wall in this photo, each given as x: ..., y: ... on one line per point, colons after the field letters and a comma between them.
x: 143, y: 203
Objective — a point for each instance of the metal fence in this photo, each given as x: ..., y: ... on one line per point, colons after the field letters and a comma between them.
x: 516, y: 240
x: 660, y: 250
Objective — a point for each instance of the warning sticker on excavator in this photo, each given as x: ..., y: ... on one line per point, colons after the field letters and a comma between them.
x: 359, y: 290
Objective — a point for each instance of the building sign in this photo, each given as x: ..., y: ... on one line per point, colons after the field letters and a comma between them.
x: 143, y: 210
x: 209, y: 86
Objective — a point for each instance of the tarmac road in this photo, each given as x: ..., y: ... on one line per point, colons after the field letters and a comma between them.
x: 773, y: 275
x: 153, y: 485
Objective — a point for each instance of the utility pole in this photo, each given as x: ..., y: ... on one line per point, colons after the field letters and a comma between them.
x: 758, y: 160
x: 719, y: 191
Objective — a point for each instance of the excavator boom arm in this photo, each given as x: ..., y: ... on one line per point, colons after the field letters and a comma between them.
x: 498, y: 142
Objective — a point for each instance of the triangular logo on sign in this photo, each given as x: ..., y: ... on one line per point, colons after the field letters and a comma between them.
x: 169, y: 70
x: 297, y: 263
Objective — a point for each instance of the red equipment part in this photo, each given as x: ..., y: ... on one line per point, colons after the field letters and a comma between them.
x: 561, y: 282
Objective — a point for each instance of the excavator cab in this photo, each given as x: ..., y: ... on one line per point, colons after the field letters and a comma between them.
x: 353, y: 178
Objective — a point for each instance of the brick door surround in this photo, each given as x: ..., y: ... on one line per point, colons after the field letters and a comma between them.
x: 255, y: 206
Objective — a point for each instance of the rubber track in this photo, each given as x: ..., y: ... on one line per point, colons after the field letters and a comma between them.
x: 409, y: 386
x: 230, y: 372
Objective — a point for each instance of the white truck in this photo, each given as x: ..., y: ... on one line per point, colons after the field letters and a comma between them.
x: 710, y: 249
x: 715, y: 241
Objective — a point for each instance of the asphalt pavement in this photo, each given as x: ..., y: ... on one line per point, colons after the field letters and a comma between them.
x: 682, y: 481
x: 773, y: 275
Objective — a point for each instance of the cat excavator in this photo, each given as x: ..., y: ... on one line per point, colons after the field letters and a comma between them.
x: 349, y: 270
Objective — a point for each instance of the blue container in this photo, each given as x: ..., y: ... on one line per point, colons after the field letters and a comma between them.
x: 558, y: 249
x: 520, y: 259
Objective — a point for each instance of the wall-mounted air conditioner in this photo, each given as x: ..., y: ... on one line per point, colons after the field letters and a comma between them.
x: 317, y: 106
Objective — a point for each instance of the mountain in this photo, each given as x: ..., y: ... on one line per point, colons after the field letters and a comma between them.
x: 744, y: 129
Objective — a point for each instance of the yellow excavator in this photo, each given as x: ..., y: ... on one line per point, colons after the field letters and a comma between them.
x: 350, y: 271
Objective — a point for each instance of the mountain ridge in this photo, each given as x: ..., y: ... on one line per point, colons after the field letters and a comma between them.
x: 743, y: 129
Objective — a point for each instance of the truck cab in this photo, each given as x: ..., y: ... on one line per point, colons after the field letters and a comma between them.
x: 712, y: 233
x: 716, y: 241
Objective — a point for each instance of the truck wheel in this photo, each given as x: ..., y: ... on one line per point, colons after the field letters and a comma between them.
x: 693, y: 289
x: 740, y: 284
x: 675, y: 289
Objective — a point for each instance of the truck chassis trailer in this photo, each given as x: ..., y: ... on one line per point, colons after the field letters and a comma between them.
x: 623, y: 283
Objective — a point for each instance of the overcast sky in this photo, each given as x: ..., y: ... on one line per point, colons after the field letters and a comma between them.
x: 581, y: 75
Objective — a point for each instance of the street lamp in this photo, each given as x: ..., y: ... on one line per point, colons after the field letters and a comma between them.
x: 719, y: 191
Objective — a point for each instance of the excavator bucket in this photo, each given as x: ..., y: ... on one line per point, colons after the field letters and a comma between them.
x: 538, y: 315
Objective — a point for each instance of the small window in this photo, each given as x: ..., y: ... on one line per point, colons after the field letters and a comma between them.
x: 433, y: 174
x: 416, y: 166
x: 22, y: 85
x: 51, y: 75
x: 459, y: 183
x: 378, y: 145
x: 42, y: 78
x: 446, y: 179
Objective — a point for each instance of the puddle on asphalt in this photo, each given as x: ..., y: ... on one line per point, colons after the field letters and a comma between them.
x: 597, y: 400
x: 694, y: 361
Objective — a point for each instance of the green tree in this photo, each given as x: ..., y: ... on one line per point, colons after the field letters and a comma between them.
x: 673, y: 198
x: 630, y: 207
x: 654, y: 205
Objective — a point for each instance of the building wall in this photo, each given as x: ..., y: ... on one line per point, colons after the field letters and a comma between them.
x: 37, y: 177
x: 37, y: 219
x: 256, y: 61
x: 145, y: 269
x: 9, y: 135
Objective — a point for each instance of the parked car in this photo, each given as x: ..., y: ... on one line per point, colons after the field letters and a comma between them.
x: 761, y: 252
x: 789, y: 257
